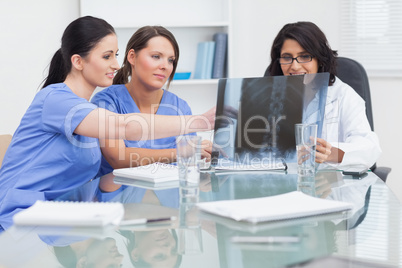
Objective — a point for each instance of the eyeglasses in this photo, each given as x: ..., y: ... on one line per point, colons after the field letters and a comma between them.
x: 299, y: 59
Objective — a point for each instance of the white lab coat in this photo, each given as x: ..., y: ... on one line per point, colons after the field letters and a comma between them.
x: 346, y: 126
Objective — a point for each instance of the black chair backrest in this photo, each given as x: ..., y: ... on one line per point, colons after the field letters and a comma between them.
x: 353, y: 73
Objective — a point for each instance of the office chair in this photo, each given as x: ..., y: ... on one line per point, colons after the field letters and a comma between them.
x: 353, y: 73
x: 4, y: 142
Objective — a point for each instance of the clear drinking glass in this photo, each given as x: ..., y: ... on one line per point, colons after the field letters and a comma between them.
x: 188, y: 161
x: 306, y: 141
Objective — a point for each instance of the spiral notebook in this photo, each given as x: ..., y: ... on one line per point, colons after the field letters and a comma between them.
x: 68, y: 213
x: 273, y: 208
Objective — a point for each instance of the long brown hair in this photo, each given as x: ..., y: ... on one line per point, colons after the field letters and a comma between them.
x: 138, y: 41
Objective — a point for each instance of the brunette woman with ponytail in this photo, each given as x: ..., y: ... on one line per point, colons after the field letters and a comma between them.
x: 56, y: 147
x: 150, y: 62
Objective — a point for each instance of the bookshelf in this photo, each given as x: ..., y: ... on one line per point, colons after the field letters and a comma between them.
x: 191, y: 22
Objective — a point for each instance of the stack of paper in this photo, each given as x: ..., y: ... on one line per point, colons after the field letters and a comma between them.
x: 280, y: 207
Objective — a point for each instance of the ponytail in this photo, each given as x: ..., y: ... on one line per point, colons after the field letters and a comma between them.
x: 123, y: 74
x: 57, y: 70
x: 80, y: 37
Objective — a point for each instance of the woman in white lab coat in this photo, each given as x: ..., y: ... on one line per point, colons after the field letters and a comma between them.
x: 302, y: 48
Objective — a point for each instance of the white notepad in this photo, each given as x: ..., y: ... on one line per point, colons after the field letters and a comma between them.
x: 66, y: 213
x: 280, y: 207
x: 228, y: 165
x: 156, y: 172
x: 146, y: 184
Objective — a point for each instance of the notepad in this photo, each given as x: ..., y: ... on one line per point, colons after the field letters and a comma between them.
x: 66, y: 213
x: 155, y: 173
x: 146, y: 184
x: 228, y: 165
x: 273, y: 208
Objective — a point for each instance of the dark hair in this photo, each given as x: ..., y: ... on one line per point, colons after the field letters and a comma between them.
x: 138, y: 41
x: 80, y: 37
x: 312, y: 39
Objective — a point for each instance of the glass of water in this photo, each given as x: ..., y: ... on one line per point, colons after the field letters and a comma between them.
x: 188, y: 161
x: 306, y: 141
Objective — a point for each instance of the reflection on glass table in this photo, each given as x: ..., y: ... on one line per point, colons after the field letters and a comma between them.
x: 194, y: 239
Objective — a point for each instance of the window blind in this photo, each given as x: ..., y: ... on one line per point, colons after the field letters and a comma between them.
x: 371, y: 33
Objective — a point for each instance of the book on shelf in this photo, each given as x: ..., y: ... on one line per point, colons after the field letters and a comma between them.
x: 154, y: 173
x: 220, y: 55
x: 292, y: 205
x: 210, y: 60
x: 69, y: 213
x: 204, y: 60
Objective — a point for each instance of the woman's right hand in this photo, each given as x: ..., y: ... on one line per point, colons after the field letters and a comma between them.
x: 206, y: 150
x: 209, y: 117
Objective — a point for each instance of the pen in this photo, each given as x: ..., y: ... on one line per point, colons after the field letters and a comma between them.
x: 265, y: 239
x: 145, y: 221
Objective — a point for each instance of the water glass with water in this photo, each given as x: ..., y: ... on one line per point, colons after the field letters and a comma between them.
x: 188, y: 160
x: 306, y: 141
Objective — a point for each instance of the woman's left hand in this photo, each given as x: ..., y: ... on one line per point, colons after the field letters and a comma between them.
x: 323, y: 151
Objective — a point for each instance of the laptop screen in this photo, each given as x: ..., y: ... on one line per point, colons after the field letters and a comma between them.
x: 255, y: 117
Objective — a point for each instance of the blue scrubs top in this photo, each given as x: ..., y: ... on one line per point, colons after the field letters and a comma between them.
x: 45, y: 158
x: 116, y: 98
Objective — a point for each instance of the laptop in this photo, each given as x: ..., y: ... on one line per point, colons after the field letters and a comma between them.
x: 255, y: 118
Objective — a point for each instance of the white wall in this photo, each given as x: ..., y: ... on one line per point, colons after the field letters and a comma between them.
x: 31, y: 31
x: 257, y: 22
x: 386, y: 94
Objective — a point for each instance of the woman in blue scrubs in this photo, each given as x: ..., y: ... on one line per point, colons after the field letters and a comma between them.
x: 150, y: 62
x: 56, y: 148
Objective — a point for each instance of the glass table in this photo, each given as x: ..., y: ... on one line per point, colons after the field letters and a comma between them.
x: 367, y: 236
